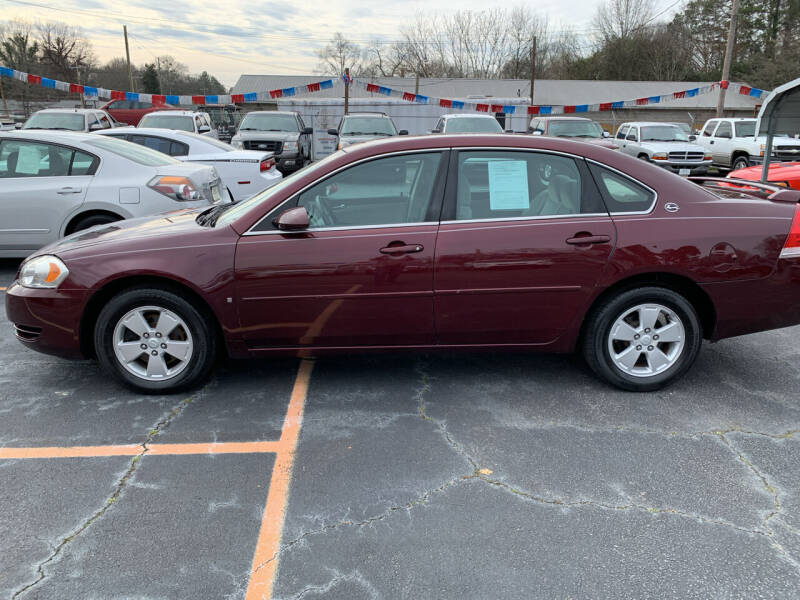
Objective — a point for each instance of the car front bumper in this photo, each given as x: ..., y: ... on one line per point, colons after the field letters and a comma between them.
x: 694, y: 168
x: 288, y: 161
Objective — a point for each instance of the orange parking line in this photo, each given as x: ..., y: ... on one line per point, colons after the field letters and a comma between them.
x: 262, y: 573
x: 134, y: 449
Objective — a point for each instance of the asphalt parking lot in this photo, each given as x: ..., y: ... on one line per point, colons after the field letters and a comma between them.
x: 410, y: 476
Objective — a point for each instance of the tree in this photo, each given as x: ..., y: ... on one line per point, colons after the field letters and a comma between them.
x: 339, y: 54
x: 623, y: 19
x: 18, y: 50
x: 150, y: 81
x: 64, y: 49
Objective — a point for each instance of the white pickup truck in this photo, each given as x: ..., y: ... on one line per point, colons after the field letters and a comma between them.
x: 734, y: 145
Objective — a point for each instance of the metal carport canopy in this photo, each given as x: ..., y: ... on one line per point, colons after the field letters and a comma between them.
x: 780, y: 114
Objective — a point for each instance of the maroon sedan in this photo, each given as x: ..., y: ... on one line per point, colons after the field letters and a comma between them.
x: 476, y: 241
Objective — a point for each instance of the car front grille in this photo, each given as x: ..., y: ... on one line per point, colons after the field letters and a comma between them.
x: 787, y: 152
x: 691, y: 156
x: 27, y: 333
x: 269, y: 145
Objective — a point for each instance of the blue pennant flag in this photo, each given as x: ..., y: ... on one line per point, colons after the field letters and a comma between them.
x: 545, y: 110
x: 172, y: 99
x: 251, y: 97
x: 421, y: 99
x: 458, y: 105
x: 756, y: 92
x: 692, y: 92
x: 618, y: 104
x: 89, y: 91
x: 131, y: 96
x: 654, y: 99
x: 6, y: 72
x: 582, y: 108
x: 288, y: 91
x: 327, y: 84
x: 211, y: 100
x: 48, y: 83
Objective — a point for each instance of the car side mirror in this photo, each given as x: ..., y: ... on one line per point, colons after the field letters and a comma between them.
x: 436, y: 131
x: 293, y: 219
x: 606, y: 134
x: 333, y: 132
x: 308, y: 131
x: 403, y: 132
x: 203, y: 129
x: 692, y: 138
x: 538, y: 132
x: 17, y: 125
x: 95, y: 127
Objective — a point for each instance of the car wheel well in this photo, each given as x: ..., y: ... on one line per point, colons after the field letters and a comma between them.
x: 643, y: 156
x: 698, y: 298
x: 95, y: 304
x: 70, y: 228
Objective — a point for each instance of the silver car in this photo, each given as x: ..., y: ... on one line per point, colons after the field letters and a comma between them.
x: 665, y: 145
x: 53, y: 183
x: 281, y: 132
x: 71, y: 119
x: 362, y: 127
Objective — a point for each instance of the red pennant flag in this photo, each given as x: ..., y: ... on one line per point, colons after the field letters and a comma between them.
x: 409, y: 96
x: 75, y: 89
x: 445, y: 103
x: 744, y: 90
x: 569, y: 109
x: 237, y: 98
x: 679, y: 94
x: 117, y: 95
x: 533, y: 110
x: 198, y: 99
x: 371, y: 87
x: 34, y: 79
x: 482, y: 107
x: 275, y: 93
x: 313, y: 87
x: 641, y: 101
x: 605, y: 106
x: 497, y: 108
x: 724, y: 84
x: 158, y: 99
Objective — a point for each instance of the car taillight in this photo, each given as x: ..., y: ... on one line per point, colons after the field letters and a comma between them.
x: 178, y: 188
x: 791, y: 248
x: 267, y: 164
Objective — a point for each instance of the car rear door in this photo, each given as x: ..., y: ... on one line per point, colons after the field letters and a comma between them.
x: 523, y: 241
x: 41, y: 184
x: 361, y: 274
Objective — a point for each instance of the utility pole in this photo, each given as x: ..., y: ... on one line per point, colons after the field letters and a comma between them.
x: 416, y: 83
x: 726, y: 65
x: 347, y: 91
x: 128, y: 56
x: 533, y: 73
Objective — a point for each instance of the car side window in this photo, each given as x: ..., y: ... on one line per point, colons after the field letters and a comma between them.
x: 300, y: 120
x: 621, y: 194
x: 32, y: 159
x: 725, y: 130
x: 82, y: 164
x: 391, y: 190
x: 632, y: 135
x: 495, y: 184
x: 178, y: 149
x: 623, y: 130
x: 709, y: 128
x: 151, y: 141
x: 104, y: 122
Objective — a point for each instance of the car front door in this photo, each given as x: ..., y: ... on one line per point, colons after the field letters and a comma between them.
x: 524, y: 238
x: 361, y: 274
x: 722, y: 144
x: 41, y: 184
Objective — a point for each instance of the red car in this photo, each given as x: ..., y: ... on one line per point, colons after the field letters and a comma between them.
x: 782, y: 174
x: 465, y: 241
x: 132, y: 111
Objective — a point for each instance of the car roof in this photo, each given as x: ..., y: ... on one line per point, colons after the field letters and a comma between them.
x: 176, y: 113
x: 461, y: 115
x: 54, y: 135
x: 68, y: 110
x: 565, y: 118
x: 647, y: 123
x: 367, y: 114
x: 273, y: 112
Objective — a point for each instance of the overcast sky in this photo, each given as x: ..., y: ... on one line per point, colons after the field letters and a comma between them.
x: 231, y: 37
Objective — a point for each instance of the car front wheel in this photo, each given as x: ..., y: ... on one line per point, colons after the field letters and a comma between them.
x: 741, y: 162
x: 642, y: 339
x: 154, y: 341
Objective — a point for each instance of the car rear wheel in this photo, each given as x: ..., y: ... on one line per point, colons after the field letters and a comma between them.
x: 154, y: 341
x: 642, y: 339
x: 740, y: 162
x: 92, y: 220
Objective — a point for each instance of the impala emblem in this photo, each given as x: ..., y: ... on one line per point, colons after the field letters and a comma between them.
x: 671, y: 207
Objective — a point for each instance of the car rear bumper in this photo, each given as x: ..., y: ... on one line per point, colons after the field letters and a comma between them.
x: 47, y: 321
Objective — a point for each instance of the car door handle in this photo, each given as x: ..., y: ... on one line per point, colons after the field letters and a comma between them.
x: 69, y: 190
x: 402, y: 248
x: 711, y: 142
x: 579, y: 240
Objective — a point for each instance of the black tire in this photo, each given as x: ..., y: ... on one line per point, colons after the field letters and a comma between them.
x: 92, y: 220
x: 595, y: 342
x: 643, y: 157
x: 199, y: 327
x: 740, y: 162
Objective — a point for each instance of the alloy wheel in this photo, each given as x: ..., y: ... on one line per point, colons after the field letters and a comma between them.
x: 646, y: 340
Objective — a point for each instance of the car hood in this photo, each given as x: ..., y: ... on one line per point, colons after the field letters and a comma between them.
x: 349, y: 140
x: 602, y: 142
x: 144, y: 232
x: 277, y: 136
x: 777, y: 172
x: 672, y: 147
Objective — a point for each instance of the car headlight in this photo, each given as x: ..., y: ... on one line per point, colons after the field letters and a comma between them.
x: 290, y: 146
x: 660, y: 156
x: 45, y: 271
x: 237, y: 144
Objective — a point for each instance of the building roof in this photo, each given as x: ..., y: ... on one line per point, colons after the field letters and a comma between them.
x: 546, y: 91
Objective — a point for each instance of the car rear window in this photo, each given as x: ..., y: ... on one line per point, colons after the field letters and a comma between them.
x: 133, y: 152
x: 68, y: 121
x: 179, y: 122
x: 620, y: 193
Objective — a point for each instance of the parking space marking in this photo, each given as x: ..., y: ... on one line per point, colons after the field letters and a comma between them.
x: 262, y: 572
x: 134, y: 449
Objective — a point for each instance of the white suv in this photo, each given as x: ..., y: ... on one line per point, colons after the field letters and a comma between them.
x: 734, y: 145
x: 71, y: 119
x: 182, y: 120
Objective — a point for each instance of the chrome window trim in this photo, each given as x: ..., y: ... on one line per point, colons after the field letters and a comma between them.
x: 331, y: 174
x: 633, y: 179
x: 534, y: 218
x: 342, y: 228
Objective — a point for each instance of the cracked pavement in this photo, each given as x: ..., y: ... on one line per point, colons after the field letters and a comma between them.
x: 416, y: 476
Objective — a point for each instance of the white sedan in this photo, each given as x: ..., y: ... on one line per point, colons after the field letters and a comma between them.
x: 244, y: 172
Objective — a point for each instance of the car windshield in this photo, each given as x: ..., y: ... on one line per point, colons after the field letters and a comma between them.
x: 684, y: 127
x: 230, y: 212
x: 745, y: 128
x: 663, y: 133
x: 56, y: 120
x: 180, y: 122
x: 567, y: 128
x: 472, y: 125
x: 268, y: 122
x: 368, y: 126
x: 135, y: 152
